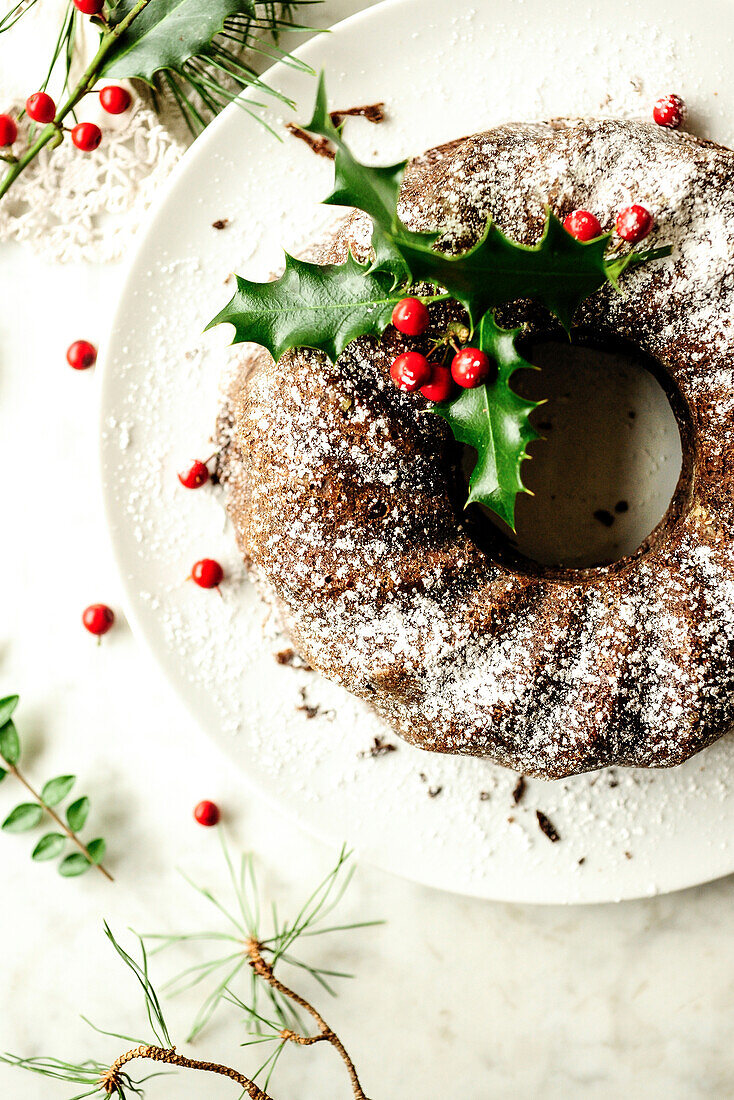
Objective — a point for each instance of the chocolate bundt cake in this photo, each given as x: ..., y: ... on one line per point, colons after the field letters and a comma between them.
x: 347, y: 498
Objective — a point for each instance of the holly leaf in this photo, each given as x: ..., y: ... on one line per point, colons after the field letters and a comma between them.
x: 167, y: 34
x: 372, y: 189
x: 10, y: 743
x: 323, y: 307
x: 558, y: 271
x: 495, y: 421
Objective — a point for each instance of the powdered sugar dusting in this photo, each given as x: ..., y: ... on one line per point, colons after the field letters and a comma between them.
x: 676, y: 824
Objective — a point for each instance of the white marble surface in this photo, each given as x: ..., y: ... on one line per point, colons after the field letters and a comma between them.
x: 452, y: 997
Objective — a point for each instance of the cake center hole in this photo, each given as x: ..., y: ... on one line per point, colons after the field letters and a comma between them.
x: 608, y: 466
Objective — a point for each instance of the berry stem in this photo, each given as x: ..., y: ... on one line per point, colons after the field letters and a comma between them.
x: 52, y: 134
x: 52, y: 813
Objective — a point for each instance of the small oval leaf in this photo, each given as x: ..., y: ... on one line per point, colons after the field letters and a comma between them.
x: 75, y: 864
x: 97, y: 849
x: 23, y: 817
x: 7, y: 708
x: 56, y: 790
x: 77, y: 814
x: 49, y: 846
x: 9, y: 743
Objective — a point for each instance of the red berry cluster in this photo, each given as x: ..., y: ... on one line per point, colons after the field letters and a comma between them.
x: 41, y: 108
x: 412, y: 370
x: 633, y: 223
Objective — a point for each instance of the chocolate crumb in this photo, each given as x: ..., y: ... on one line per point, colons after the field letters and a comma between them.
x: 312, y: 710
x: 510, y: 820
x: 433, y: 792
x: 320, y: 146
x: 220, y: 223
x: 604, y: 517
x: 628, y: 855
x: 484, y: 796
x: 621, y: 507
x: 546, y: 827
x: 373, y: 112
x: 291, y: 659
x: 519, y: 790
x: 582, y: 861
x: 379, y: 747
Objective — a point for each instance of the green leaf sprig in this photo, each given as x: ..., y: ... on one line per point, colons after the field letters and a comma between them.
x: 29, y: 815
x: 327, y: 306
x: 192, y: 49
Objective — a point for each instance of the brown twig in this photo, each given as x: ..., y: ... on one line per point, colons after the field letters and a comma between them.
x: 111, y: 1081
x: 52, y: 814
x: 265, y: 971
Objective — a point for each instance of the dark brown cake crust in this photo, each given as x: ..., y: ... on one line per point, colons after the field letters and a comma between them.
x: 346, y: 502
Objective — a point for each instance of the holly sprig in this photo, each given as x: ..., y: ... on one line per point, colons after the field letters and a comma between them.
x: 29, y: 815
x: 191, y: 49
x: 327, y: 306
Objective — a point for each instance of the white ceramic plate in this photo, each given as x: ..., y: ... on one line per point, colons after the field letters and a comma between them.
x: 443, y: 69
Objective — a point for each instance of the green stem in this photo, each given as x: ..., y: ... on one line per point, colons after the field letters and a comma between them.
x: 53, y: 134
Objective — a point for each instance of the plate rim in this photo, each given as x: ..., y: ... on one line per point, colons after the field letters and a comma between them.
x: 672, y: 882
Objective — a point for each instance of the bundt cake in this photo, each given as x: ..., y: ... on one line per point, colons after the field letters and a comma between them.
x: 347, y: 498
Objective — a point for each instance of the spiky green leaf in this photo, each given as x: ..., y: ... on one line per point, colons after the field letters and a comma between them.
x: 56, y: 790
x: 495, y: 421
x: 10, y: 743
x: 77, y: 814
x: 372, y: 189
x: 558, y: 271
x: 167, y: 34
x: 73, y: 865
x: 25, y: 816
x: 49, y: 846
x: 323, y: 307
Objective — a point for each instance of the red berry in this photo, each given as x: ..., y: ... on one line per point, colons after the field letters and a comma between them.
x: 8, y: 130
x: 115, y: 100
x: 470, y: 368
x: 86, y: 136
x: 196, y: 475
x: 81, y: 354
x: 670, y: 111
x: 98, y: 618
x: 89, y: 7
x: 411, y: 317
x: 40, y: 107
x: 207, y: 813
x: 207, y: 573
x: 410, y: 371
x: 582, y: 225
x: 633, y: 223
x: 441, y: 385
